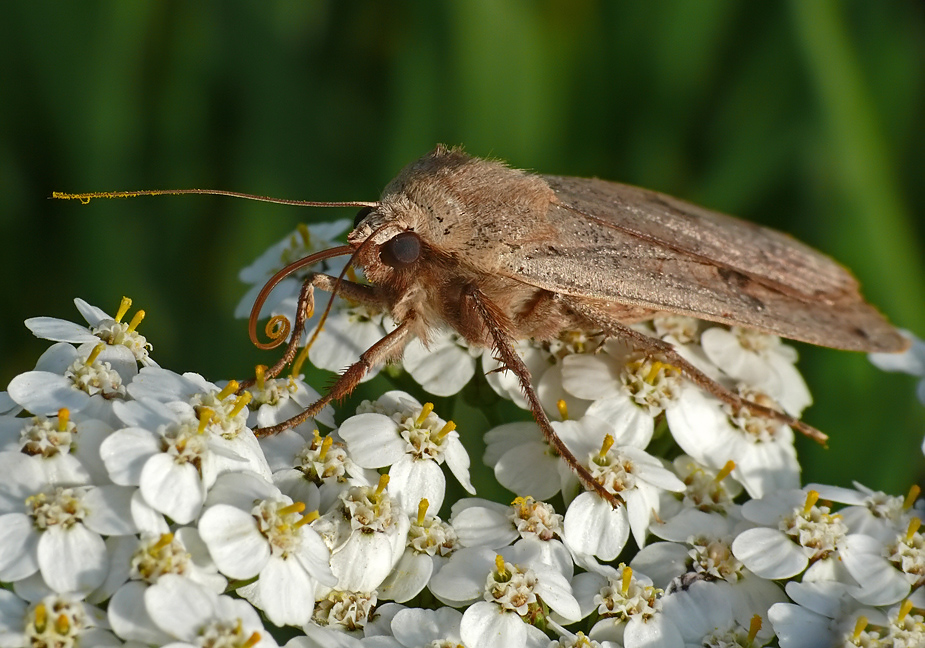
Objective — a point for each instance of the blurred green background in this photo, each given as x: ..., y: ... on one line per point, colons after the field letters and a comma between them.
x: 808, y: 116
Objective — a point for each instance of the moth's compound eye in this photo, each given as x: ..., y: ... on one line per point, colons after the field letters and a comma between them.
x: 401, y: 250
x: 363, y: 213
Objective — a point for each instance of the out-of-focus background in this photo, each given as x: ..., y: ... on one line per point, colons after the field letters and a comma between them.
x: 806, y: 116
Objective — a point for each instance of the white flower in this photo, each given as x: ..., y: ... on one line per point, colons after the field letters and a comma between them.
x: 629, y: 388
x: 704, y: 615
x: 714, y: 433
x: 318, y: 471
x: 341, y: 610
x: 629, y: 607
x: 412, y: 627
x: 482, y: 523
x: 251, y: 529
x: 760, y: 361
x: 65, y: 377
x: 592, y: 525
x: 886, y: 571
x: 196, y: 616
x: 169, y: 456
x: 366, y: 532
x: 56, y: 620
x: 444, y: 366
x: 823, y: 614
x: 278, y: 399
x: 794, y: 531
x: 870, y: 512
x: 399, y: 432
x: 57, y: 531
x: 524, y: 462
x: 430, y: 543
x: 125, y: 346
x: 513, y: 587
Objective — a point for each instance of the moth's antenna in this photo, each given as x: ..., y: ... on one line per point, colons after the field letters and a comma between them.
x: 87, y: 197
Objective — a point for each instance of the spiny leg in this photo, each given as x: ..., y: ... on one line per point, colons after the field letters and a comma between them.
x: 491, y: 317
x: 389, y: 347
x: 654, y: 345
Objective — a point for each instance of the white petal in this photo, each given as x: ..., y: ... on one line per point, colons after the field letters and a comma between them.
x: 129, y: 618
x: 442, y: 371
x: 373, y: 440
x: 457, y: 460
x: 287, y: 593
x: 237, y: 547
x: 593, y: 526
x: 407, y: 578
x: 110, y: 510
x: 362, y: 562
x: 484, y: 526
x: 661, y: 561
x: 556, y: 592
x: 769, y: 553
x: 880, y: 582
x: 499, y: 440
x: 179, y: 606
x: 59, y: 330
x: 656, y: 632
x: 19, y: 540
x: 44, y: 393
x: 485, y: 625
x: 92, y: 314
x: 525, y: 470
x: 462, y: 579
x: 171, y: 488
x: 590, y: 376
x: 411, y: 480
x: 72, y: 560
x: 797, y: 627
x: 631, y: 425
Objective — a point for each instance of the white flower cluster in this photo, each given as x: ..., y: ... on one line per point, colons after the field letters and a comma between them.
x: 139, y: 509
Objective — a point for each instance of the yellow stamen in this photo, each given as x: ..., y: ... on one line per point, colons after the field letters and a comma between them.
x: 383, y: 482
x: 562, y: 406
x: 811, y: 498
x: 654, y: 368
x: 446, y: 429
x: 753, y: 627
x: 425, y: 412
x: 499, y: 566
x: 240, y: 403
x: 325, y: 446
x: 63, y: 625
x: 913, y: 528
x: 422, y: 510
x: 308, y: 518
x: 64, y: 415
x: 904, y: 609
x: 228, y: 390
x: 726, y: 471
x: 299, y: 361
x: 205, y: 417
x: 627, y: 579
x: 352, y: 274
x: 859, y: 627
x: 162, y: 542
x: 97, y: 350
x: 140, y: 315
x: 252, y: 641
x: 606, y: 446
x: 124, y: 305
x: 260, y: 374
x: 913, y: 495
x: 295, y: 507
x: 41, y: 617
x: 305, y: 234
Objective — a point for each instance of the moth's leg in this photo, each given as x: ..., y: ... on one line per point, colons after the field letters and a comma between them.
x: 494, y: 321
x: 360, y: 293
x: 667, y: 351
x: 389, y: 347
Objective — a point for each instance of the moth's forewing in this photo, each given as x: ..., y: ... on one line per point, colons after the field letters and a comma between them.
x: 633, y: 247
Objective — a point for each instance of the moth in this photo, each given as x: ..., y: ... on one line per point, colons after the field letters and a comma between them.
x: 501, y: 255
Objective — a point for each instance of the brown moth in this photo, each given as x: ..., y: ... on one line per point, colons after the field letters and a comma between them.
x: 500, y: 255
